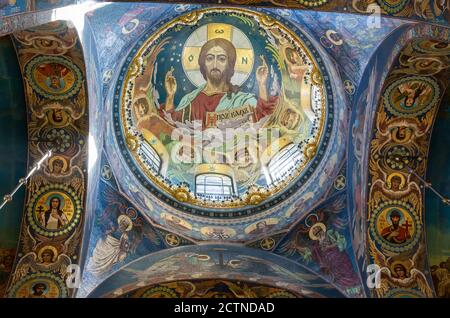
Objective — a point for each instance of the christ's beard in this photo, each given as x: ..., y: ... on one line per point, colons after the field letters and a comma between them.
x: 216, y: 76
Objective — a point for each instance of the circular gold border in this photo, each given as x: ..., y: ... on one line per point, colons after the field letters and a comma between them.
x: 190, y: 19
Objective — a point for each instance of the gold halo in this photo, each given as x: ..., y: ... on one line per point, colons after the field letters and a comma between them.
x: 52, y: 159
x: 396, y: 174
x: 406, y: 264
x: 48, y: 247
x: 123, y: 217
x: 312, y: 236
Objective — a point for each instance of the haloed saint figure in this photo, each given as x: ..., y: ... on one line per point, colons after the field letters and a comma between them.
x: 54, y: 218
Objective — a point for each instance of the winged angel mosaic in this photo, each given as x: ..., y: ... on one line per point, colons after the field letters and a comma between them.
x: 222, y: 92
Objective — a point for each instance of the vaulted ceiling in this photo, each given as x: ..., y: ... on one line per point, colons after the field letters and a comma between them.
x: 349, y: 110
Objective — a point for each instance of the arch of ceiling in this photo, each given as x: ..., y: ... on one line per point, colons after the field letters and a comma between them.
x: 215, y: 262
x: 387, y: 202
x: 53, y: 68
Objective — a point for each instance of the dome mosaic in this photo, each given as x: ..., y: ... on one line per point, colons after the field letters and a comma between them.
x: 220, y: 112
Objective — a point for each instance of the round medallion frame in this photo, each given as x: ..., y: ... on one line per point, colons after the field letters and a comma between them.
x: 60, y: 190
x: 177, y: 197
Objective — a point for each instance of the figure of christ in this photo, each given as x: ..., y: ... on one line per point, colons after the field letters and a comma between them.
x: 217, y: 60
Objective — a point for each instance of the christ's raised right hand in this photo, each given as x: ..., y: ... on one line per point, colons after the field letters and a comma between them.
x: 170, y: 82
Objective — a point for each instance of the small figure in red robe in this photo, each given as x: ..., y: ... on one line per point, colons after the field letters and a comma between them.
x: 396, y: 233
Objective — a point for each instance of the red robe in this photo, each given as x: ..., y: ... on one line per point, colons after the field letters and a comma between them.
x: 203, y: 103
x: 403, y: 234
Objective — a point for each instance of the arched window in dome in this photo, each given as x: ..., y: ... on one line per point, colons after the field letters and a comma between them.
x: 284, y: 162
x: 214, y: 186
x: 150, y: 157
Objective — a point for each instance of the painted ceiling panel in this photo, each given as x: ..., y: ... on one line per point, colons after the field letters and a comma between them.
x: 408, y: 104
x: 134, y: 16
x: 51, y: 62
x: 223, y: 262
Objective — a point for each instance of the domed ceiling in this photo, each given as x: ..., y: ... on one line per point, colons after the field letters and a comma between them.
x: 224, y: 116
x: 210, y: 117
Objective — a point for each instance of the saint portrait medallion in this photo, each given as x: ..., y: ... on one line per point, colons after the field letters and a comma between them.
x: 395, y: 226
x: 54, y: 210
x: 54, y: 77
x: 40, y: 285
x: 411, y: 96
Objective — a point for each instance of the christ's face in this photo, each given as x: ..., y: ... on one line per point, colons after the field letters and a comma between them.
x: 216, y: 64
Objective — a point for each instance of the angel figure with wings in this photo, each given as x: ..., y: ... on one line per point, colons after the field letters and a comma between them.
x: 113, y: 248
x: 46, y: 260
x: 397, y: 273
x: 121, y: 238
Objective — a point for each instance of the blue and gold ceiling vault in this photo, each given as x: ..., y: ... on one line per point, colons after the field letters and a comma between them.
x: 357, y: 100
x: 408, y: 105
x: 428, y: 10
x: 52, y: 65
